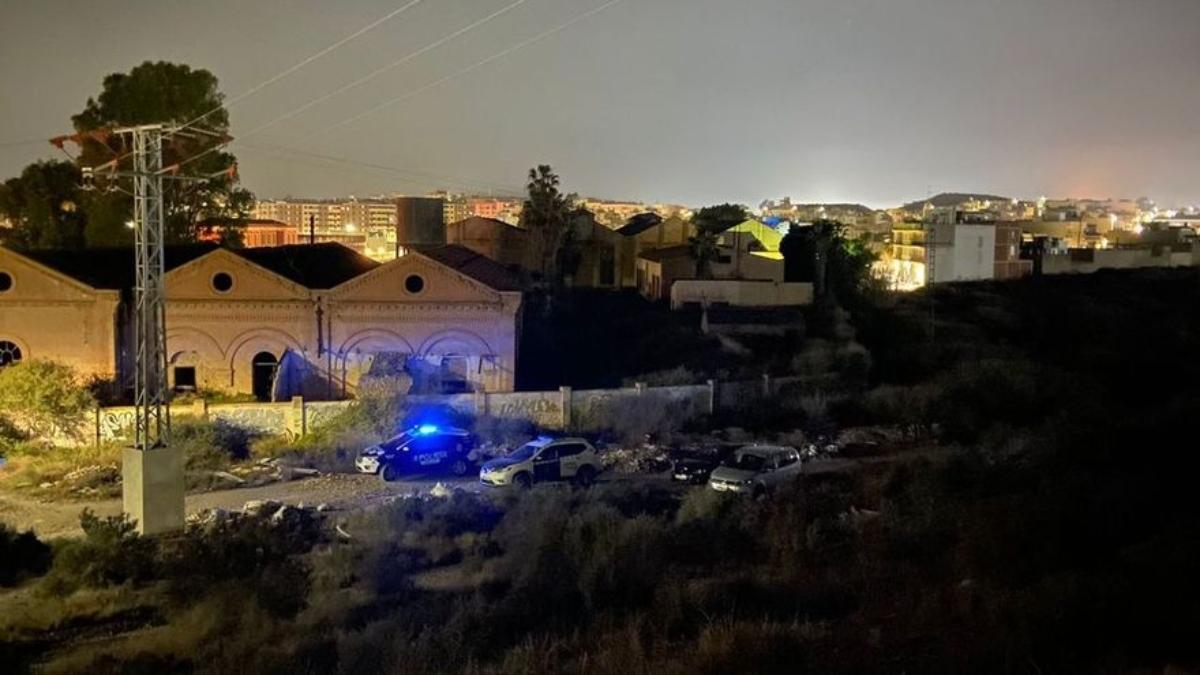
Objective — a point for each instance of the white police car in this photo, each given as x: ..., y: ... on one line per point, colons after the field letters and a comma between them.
x: 543, y: 460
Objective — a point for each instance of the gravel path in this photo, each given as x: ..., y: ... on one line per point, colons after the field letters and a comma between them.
x: 55, y: 519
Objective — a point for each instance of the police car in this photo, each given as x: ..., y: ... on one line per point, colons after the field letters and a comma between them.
x: 544, y: 460
x: 422, y: 448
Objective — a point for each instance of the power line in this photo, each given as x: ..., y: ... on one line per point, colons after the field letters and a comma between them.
x: 291, y: 69
x: 461, y: 181
x: 479, y: 64
x: 391, y: 66
x: 304, y: 62
x: 17, y: 144
x: 362, y: 80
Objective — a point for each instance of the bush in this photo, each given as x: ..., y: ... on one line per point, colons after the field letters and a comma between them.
x: 44, y: 398
x: 252, y: 555
x: 21, y: 556
x: 110, y: 553
x: 634, y: 420
x: 504, y: 431
x: 210, y: 445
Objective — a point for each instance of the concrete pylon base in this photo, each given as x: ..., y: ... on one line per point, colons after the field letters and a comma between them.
x: 152, y: 489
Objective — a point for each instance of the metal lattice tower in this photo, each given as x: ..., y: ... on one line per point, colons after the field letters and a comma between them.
x: 153, y: 423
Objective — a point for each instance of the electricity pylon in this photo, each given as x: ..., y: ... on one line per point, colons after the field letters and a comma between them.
x: 152, y: 471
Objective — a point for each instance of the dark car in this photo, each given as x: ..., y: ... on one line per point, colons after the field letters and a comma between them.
x: 693, y: 471
x: 422, y: 448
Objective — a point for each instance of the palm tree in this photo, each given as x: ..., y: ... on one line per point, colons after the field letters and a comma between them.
x: 704, y: 250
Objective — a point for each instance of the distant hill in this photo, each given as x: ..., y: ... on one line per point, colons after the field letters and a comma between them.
x: 856, y: 208
x: 953, y: 199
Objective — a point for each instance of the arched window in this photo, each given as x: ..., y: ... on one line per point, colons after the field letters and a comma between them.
x: 9, y: 353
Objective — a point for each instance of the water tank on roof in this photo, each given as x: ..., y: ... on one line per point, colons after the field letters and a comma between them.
x: 419, y: 221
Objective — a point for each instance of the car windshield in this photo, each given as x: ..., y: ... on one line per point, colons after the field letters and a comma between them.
x: 749, y: 462
x: 527, y: 451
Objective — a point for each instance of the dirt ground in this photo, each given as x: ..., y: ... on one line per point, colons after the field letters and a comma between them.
x: 56, y: 519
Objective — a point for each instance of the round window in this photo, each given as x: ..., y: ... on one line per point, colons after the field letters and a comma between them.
x: 9, y: 353
x: 222, y: 282
x: 414, y: 284
x: 6, y: 282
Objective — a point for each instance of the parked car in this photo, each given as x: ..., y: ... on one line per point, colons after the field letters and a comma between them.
x: 757, y: 470
x: 693, y: 471
x: 421, y: 448
x: 544, y: 460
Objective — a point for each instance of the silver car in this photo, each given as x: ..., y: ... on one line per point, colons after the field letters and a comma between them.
x: 756, y: 470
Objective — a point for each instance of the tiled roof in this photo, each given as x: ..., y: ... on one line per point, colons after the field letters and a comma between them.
x: 111, y: 268
x: 469, y: 263
x: 315, y: 266
x: 640, y: 223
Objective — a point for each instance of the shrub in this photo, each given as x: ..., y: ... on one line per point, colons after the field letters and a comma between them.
x: 210, y: 445
x: 110, y: 553
x: 245, y: 554
x: 633, y: 419
x: 504, y: 431
x: 21, y: 556
x: 44, y: 397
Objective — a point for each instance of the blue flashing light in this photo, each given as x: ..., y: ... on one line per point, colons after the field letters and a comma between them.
x: 426, y: 429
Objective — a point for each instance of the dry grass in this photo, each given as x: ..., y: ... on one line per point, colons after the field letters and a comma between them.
x: 30, y: 466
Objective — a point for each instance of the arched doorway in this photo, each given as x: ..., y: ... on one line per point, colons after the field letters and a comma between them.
x: 264, y: 365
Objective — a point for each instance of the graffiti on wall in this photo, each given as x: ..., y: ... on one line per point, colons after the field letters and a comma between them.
x: 540, y: 409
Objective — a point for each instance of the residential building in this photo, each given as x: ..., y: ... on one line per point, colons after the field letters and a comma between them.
x: 322, y: 215
x: 507, y: 244
x: 954, y: 246
x: 600, y: 250
x: 255, y: 233
x: 646, y: 232
x: 507, y: 210
x: 659, y: 269
x: 1008, y: 261
x: 273, y: 322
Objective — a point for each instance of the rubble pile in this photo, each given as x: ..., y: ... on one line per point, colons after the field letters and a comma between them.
x: 264, y: 471
x: 642, y: 459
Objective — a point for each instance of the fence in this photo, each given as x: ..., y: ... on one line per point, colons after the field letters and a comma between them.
x: 565, y: 409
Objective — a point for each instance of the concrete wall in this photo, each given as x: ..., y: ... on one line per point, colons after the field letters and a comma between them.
x: 584, y: 411
x: 1086, y: 261
x: 741, y: 293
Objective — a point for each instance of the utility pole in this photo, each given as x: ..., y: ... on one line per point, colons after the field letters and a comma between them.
x: 152, y: 471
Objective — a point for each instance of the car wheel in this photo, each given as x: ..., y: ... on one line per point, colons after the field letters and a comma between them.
x: 459, y: 467
x: 585, y: 476
x: 523, y: 481
x: 389, y: 473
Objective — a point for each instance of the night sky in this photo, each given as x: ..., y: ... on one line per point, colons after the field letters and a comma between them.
x: 695, y: 101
